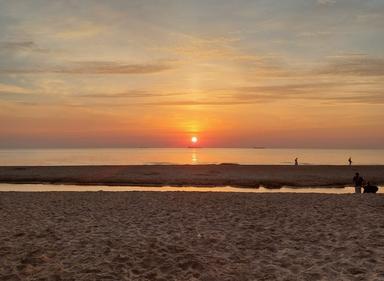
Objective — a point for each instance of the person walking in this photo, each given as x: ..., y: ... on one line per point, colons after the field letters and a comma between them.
x: 350, y: 161
x: 296, y: 161
x: 358, y: 181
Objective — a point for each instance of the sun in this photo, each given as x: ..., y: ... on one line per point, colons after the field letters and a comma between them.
x: 194, y: 139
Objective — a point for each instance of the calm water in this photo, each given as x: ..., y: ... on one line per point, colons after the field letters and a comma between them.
x: 52, y: 187
x: 188, y: 156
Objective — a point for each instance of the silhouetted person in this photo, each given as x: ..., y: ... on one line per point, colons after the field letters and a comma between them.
x: 358, y: 182
x: 350, y: 161
x: 370, y: 188
x: 296, y: 162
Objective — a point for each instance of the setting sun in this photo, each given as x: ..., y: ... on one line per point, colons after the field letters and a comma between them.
x: 194, y: 139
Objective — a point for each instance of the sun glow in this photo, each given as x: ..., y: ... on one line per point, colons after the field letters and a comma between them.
x: 194, y: 140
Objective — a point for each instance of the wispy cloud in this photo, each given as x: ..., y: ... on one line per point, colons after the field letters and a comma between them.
x: 203, y: 48
x: 13, y: 46
x: 326, y: 2
x: 208, y: 102
x: 360, y: 65
x: 12, y: 89
x: 323, y: 92
x: 332, y: 92
x: 75, y: 29
x: 95, y: 67
x: 129, y: 94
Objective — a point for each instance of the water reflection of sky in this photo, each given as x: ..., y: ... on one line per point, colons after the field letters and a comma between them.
x: 52, y: 187
x: 194, y: 157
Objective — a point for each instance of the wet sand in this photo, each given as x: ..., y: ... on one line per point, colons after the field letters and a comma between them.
x: 194, y: 175
x: 190, y: 236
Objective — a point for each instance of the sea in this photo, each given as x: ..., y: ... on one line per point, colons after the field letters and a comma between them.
x: 189, y: 156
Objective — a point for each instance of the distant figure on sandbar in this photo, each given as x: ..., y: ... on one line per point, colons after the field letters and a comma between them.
x: 358, y: 182
x: 350, y: 161
x: 370, y: 188
x: 296, y: 161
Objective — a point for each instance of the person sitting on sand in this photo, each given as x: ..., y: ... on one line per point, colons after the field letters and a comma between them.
x: 370, y: 188
x: 358, y: 182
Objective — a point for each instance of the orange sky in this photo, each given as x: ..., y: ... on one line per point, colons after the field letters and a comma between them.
x: 150, y: 74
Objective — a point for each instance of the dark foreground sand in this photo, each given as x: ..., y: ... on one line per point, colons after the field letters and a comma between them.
x: 198, y: 175
x: 191, y: 236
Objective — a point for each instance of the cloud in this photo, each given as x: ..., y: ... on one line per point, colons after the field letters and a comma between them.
x: 377, y: 98
x: 326, y: 2
x: 129, y: 94
x: 97, y: 67
x: 203, y: 48
x: 94, y: 67
x: 199, y: 48
x: 12, y: 89
x: 17, y: 45
x: 314, y: 34
x: 12, y: 46
x: 356, y: 65
x: 77, y: 29
x: 283, y: 91
x: 209, y: 102
x: 322, y: 92
x: 334, y: 92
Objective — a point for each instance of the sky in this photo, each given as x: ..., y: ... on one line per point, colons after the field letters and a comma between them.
x: 154, y: 73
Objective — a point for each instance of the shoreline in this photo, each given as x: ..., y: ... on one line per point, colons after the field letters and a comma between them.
x: 245, y: 176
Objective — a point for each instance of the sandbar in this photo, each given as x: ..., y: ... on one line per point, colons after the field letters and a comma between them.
x: 273, y: 176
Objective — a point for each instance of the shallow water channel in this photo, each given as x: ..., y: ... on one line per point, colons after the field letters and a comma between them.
x: 83, y: 188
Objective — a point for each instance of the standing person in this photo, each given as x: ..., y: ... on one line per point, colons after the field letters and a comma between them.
x: 296, y: 161
x: 350, y: 161
x: 358, y: 182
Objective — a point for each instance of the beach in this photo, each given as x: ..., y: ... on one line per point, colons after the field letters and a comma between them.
x: 190, y: 236
x: 272, y: 176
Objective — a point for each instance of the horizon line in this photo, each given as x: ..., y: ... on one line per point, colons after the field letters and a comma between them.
x: 186, y: 147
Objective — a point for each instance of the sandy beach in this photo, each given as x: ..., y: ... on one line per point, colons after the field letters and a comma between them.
x: 190, y: 236
x: 195, y: 175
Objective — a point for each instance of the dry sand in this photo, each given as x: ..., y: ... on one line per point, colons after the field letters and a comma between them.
x: 191, y: 236
x: 194, y: 175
